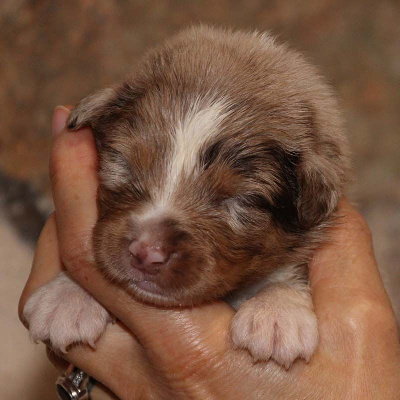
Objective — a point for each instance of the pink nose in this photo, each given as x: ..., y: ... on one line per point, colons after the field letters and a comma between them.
x: 147, y: 258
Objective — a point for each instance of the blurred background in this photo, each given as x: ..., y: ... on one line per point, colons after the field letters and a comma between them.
x: 56, y: 52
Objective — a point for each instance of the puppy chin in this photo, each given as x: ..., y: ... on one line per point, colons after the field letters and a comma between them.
x: 151, y: 293
x: 159, y: 291
x: 146, y: 290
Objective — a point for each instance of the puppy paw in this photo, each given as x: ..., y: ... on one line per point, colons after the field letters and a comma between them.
x: 278, y: 323
x: 63, y: 313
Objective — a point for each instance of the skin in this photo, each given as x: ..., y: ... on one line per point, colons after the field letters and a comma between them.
x: 156, y: 353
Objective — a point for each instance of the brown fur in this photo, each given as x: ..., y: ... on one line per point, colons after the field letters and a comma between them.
x: 265, y: 186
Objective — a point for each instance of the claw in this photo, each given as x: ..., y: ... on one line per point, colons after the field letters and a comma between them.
x: 92, y: 344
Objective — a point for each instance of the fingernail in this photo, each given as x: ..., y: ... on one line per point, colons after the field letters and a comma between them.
x: 60, y: 117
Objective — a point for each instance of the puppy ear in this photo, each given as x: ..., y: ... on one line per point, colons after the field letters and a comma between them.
x: 91, y: 108
x: 319, y: 192
x: 324, y: 168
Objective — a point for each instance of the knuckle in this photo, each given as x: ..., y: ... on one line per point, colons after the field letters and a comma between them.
x: 363, y: 227
x: 76, y: 252
x: 358, y: 225
x: 364, y: 315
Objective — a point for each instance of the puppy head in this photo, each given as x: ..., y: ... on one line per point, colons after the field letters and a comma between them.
x: 211, y: 174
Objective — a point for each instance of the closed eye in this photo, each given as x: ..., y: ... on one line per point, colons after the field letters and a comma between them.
x: 256, y: 201
x: 247, y: 201
x: 282, y: 210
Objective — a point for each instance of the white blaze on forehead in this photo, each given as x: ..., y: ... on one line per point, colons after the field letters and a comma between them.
x: 193, y: 130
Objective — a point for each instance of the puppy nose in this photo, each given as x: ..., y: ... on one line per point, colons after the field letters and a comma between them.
x: 148, y: 258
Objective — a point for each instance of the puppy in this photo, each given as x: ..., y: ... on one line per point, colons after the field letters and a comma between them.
x: 222, y: 159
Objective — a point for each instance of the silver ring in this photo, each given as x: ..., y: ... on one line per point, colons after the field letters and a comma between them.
x: 74, y: 384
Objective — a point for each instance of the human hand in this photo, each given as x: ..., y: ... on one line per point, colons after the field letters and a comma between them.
x: 187, y: 353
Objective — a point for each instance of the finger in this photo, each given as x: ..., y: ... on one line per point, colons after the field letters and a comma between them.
x: 46, y: 263
x: 117, y: 362
x: 345, y: 269
x: 350, y: 301
x: 58, y: 362
x: 98, y: 392
x: 101, y: 392
x: 73, y: 175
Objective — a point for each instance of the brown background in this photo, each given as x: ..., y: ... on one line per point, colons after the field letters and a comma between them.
x: 56, y: 52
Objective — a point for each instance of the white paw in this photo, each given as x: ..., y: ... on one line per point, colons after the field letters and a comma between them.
x: 279, y: 323
x: 63, y: 313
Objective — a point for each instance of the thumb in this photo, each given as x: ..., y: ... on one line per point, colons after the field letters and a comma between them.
x: 344, y: 271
